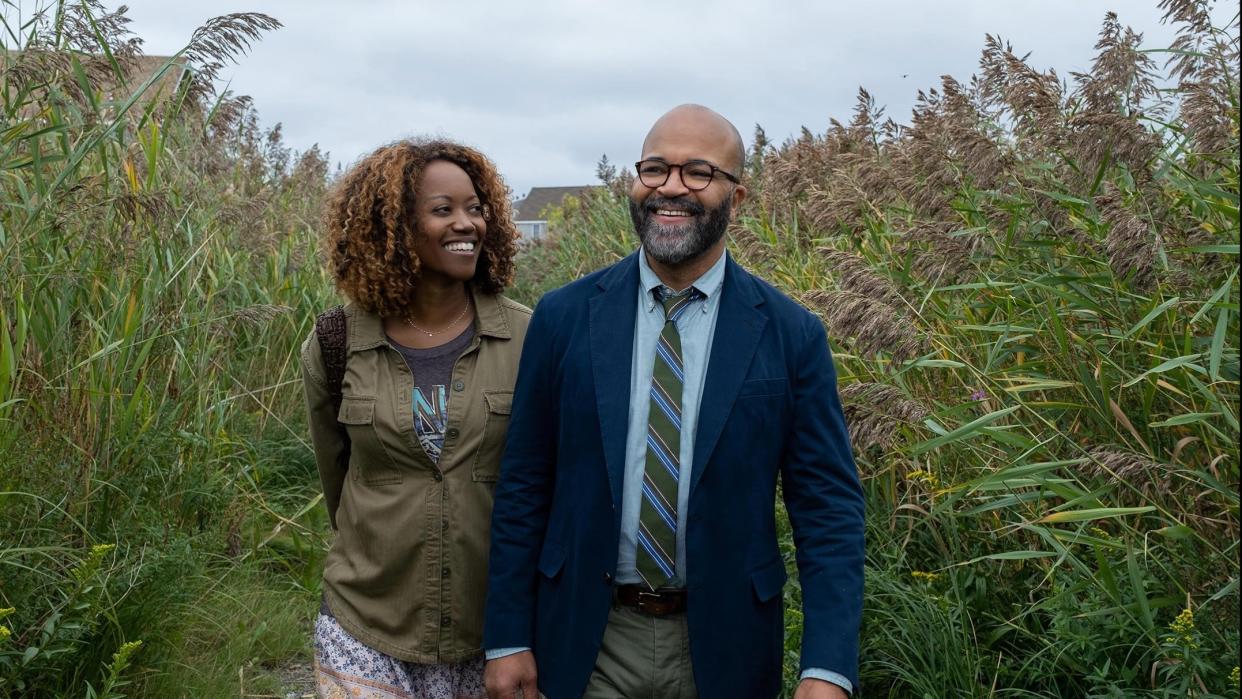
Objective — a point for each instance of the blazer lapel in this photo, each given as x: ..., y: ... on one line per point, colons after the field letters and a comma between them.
x: 738, y: 329
x: 612, y: 315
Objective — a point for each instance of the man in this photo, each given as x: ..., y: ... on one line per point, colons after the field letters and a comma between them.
x: 634, y: 549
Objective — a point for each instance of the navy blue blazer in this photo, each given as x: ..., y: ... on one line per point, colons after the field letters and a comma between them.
x: 769, y: 407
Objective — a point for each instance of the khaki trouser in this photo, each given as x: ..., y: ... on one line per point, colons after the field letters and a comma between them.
x: 643, y: 657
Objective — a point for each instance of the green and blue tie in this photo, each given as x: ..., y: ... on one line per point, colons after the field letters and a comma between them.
x: 657, y: 519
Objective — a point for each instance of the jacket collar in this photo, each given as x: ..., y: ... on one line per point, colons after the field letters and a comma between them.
x: 366, y: 329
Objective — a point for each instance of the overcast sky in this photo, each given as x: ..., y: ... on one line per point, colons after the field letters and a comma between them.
x: 546, y: 88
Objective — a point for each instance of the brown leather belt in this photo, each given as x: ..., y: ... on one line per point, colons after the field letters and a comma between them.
x: 658, y: 603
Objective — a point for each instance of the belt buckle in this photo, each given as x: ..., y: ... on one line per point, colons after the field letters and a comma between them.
x: 646, y: 597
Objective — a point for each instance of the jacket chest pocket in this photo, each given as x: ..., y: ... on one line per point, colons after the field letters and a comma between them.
x: 499, y: 405
x: 369, y: 458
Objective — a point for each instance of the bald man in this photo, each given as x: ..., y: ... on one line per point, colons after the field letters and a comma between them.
x: 634, y: 549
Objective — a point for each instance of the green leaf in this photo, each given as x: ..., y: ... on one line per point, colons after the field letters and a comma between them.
x: 963, y: 432
x: 1059, y: 196
x: 1183, y: 419
x: 1151, y: 316
x: 1014, y: 556
x: 1092, y: 514
x: 1218, y: 343
x: 1167, y: 365
x: 1222, y: 249
x: 1176, y: 531
x: 935, y: 364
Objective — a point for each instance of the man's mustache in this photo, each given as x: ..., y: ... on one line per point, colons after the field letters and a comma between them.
x: 688, y: 205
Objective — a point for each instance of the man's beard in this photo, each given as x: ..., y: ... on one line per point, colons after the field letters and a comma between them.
x: 673, y: 245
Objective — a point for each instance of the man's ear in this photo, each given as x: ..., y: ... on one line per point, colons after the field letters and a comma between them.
x: 739, y: 195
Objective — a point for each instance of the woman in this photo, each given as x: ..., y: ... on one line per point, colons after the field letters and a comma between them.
x: 419, y: 238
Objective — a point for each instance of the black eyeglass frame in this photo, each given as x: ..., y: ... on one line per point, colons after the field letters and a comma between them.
x: 681, y: 173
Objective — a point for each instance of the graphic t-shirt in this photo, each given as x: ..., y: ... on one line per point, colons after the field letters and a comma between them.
x: 433, y: 371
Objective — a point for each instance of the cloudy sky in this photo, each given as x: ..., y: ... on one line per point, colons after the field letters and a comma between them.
x: 546, y: 88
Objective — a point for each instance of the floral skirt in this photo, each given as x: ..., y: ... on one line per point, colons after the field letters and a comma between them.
x: 347, y: 669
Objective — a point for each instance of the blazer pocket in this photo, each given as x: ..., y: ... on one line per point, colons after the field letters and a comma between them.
x: 486, y: 466
x: 756, y: 388
x: 368, y: 457
x: 769, y: 580
x: 551, y: 560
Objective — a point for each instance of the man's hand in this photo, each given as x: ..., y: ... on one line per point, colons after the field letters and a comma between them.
x: 511, y: 677
x: 810, y: 688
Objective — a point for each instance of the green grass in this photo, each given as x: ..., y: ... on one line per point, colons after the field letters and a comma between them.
x: 159, y: 258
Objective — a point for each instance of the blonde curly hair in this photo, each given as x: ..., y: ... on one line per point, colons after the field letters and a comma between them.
x: 370, y: 224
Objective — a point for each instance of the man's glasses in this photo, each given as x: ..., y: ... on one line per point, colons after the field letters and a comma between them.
x: 696, y: 175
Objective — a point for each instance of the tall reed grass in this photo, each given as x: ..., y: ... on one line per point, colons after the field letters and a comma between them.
x: 158, y: 262
x: 1032, y: 293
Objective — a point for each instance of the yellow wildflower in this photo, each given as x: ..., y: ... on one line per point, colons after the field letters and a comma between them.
x: 5, y: 633
x: 1184, y: 624
x: 1234, y: 676
x: 924, y: 576
x: 925, y: 476
x: 1183, y: 628
x: 6, y: 611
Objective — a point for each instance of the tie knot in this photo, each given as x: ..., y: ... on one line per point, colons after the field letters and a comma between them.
x: 675, y: 303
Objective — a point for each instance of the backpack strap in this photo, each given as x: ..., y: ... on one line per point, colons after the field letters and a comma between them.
x: 333, y: 346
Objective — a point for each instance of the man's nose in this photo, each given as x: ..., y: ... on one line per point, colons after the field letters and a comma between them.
x: 673, y: 187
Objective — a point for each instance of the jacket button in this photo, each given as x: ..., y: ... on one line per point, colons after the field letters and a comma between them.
x: 459, y: 385
x: 444, y: 572
x: 451, y: 433
x: 445, y: 621
x: 607, y: 578
x: 438, y: 476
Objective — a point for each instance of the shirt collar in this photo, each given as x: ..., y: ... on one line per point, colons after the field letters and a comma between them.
x: 708, y: 285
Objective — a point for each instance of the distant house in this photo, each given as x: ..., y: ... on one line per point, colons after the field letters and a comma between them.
x: 530, y: 214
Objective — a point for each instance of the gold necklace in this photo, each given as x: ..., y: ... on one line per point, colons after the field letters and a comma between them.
x: 431, y: 333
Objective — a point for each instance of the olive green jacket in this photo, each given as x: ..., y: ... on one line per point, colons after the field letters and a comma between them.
x: 407, y: 572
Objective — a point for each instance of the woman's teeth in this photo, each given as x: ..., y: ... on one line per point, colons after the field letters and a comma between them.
x: 459, y: 247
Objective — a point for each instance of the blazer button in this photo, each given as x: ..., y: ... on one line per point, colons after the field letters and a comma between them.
x: 451, y: 433
x: 438, y: 476
x: 459, y: 385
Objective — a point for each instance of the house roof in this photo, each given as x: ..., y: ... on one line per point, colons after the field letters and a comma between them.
x: 532, y: 207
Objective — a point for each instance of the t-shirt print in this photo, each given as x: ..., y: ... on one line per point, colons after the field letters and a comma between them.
x: 430, y: 417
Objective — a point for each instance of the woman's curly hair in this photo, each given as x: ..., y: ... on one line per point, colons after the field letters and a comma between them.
x: 371, y: 224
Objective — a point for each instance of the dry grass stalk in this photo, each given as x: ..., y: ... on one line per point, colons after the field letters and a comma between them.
x: 875, y: 412
x: 1034, y: 99
x: 867, y: 325
x: 1131, y: 245
x: 853, y: 273
x: 755, y: 252
x: 1208, y: 114
x: 937, y: 256
x: 1122, y: 77
x: 221, y: 40
x: 1115, y: 464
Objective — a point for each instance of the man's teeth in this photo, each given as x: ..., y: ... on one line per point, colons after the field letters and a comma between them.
x: 460, y: 247
x: 672, y: 212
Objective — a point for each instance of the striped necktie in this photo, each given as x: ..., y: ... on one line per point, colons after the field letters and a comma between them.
x: 657, y: 520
